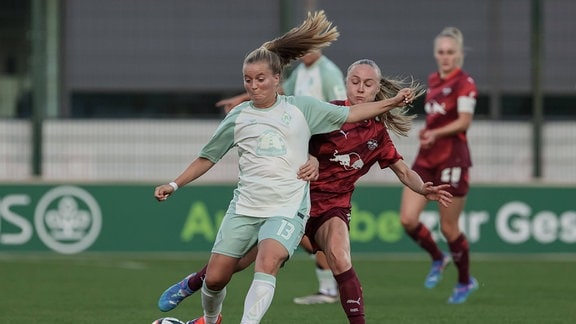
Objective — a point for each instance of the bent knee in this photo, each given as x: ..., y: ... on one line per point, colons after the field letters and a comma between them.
x: 339, y: 261
x: 215, y: 284
x: 409, y: 222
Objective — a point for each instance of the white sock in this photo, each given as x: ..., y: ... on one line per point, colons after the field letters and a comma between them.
x: 326, y: 281
x: 259, y: 298
x: 212, y: 303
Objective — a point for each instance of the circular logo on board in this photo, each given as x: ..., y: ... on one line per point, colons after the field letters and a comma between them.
x: 68, y: 219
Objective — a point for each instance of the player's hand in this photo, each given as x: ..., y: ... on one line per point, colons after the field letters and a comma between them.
x: 422, y: 133
x: 427, y: 138
x: 309, y: 171
x: 437, y: 193
x: 229, y: 103
x: 404, y: 97
x: 162, y: 192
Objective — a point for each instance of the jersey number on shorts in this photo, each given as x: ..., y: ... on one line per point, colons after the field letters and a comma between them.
x: 451, y: 175
x: 286, y: 230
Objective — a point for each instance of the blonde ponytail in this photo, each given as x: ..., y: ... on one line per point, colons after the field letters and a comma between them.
x: 315, y: 33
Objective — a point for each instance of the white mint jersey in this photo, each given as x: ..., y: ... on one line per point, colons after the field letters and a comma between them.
x: 322, y: 80
x: 272, y: 145
x: 309, y: 82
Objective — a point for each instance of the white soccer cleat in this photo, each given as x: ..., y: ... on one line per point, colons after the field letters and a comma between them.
x: 318, y: 298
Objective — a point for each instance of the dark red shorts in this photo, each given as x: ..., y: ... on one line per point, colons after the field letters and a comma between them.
x: 457, y: 177
x: 314, y: 222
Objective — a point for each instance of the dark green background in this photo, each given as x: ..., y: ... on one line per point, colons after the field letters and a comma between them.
x: 132, y: 220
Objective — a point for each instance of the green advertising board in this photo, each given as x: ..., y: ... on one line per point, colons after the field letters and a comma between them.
x: 72, y: 218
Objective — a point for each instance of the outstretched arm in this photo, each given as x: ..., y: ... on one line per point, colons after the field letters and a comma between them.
x: 232, y: 102
x: 197, y: 168
x: 369, y: 110
x: 413, y: 181
x: 229, y: 103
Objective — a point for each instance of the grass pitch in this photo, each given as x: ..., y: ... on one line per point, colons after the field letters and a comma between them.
x: 123, y: 288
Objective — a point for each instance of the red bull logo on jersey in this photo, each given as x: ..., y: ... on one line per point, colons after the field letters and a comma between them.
x: 434, y: 107
x: 350, y: 161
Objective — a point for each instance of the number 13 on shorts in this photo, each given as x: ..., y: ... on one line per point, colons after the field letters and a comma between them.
x: 285, y: 230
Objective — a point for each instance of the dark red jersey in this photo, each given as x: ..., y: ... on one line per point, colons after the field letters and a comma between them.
x: 344, y: 156
x: 442, y: 108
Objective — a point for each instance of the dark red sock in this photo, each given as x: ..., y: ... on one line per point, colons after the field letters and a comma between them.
x: 351, y: 296
x: 460, y: 251
x: 195, y: 282
x: 421, y: 235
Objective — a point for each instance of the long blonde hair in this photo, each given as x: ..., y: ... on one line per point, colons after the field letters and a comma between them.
x: 397, y: 120
x: 315, y: 33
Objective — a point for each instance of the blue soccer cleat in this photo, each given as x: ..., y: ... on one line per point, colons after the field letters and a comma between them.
x: 172, y: 296
x: 462, y: 291
x: 435, y: 274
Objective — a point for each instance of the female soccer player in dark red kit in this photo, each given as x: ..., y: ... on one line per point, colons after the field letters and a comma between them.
x: 444, y: 158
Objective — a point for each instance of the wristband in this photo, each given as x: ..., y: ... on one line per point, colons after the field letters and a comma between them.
x: 174, y: 185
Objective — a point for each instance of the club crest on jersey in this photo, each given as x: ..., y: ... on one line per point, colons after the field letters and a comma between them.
x: 446, y: 91
x: 372, y: 144
x: 286, y: 118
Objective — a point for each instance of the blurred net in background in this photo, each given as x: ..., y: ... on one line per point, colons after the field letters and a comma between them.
x: 156, y: 150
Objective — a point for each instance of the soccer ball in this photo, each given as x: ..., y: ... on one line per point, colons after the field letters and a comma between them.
x: 168, y: 320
